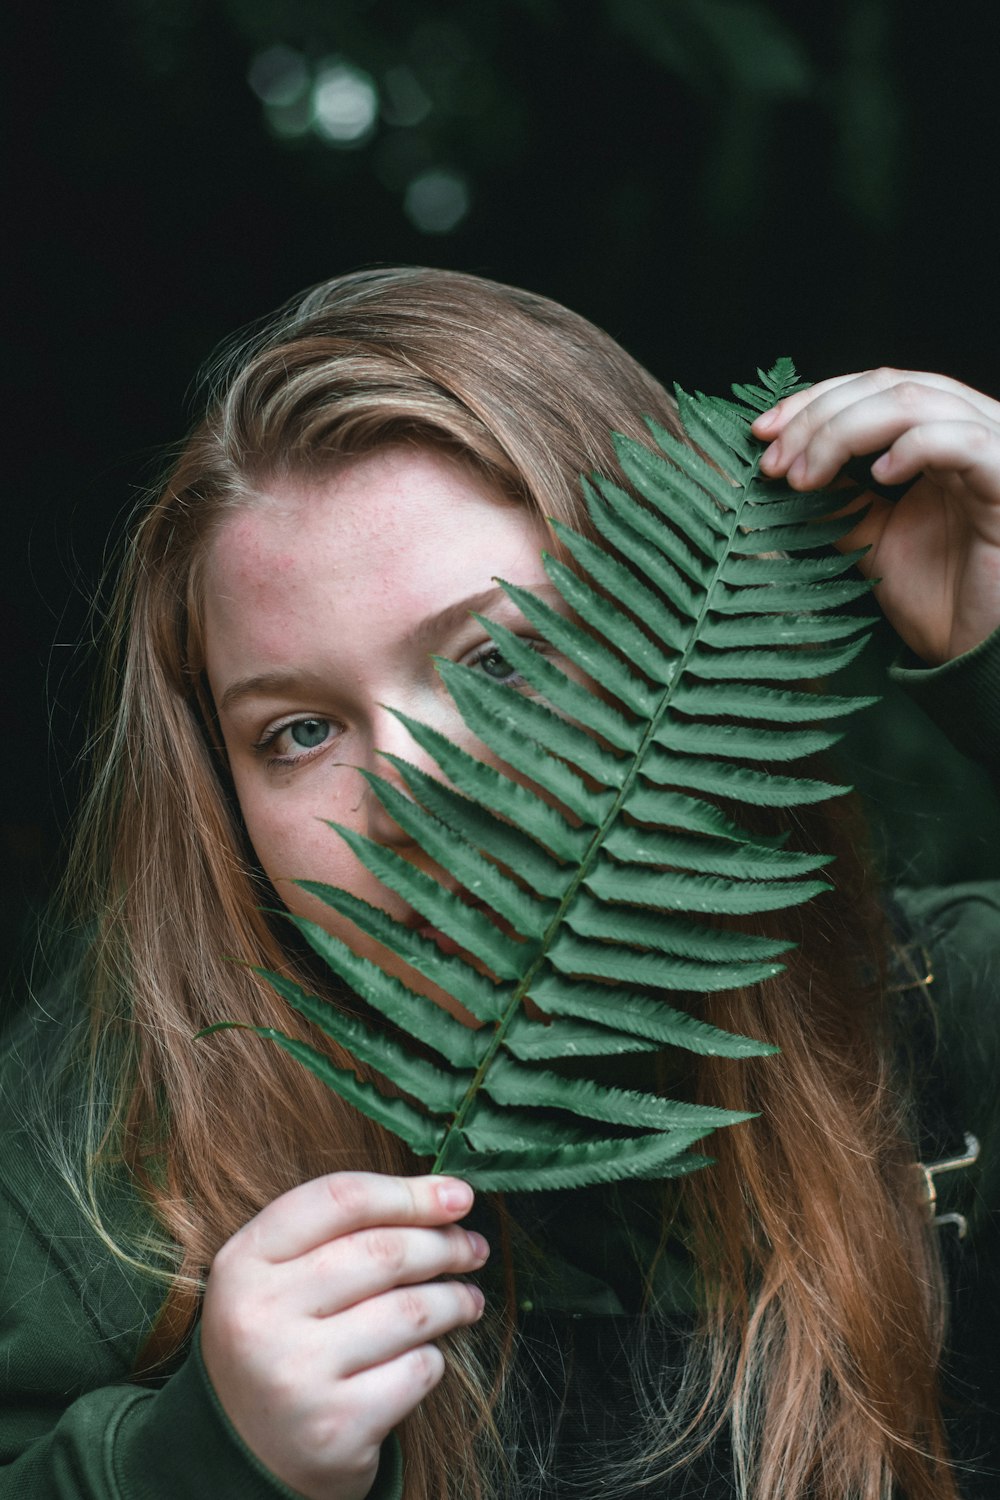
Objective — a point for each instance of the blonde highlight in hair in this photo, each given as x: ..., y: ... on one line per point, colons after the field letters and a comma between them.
x: 821, y: 1315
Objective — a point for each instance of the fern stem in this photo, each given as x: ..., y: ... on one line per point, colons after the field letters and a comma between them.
x: 440, y: 1163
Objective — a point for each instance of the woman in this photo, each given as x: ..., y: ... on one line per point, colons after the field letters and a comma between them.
x: 366, y: 468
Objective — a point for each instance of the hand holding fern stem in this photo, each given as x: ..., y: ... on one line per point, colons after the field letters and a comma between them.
x: 936, y: 551
x: 321, y: 1315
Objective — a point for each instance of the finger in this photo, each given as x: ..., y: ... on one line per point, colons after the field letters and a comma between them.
x: 358, y: 1266
x: 846, y: 388
x: 961, y: 456
x: 375, y: 1401
x: 813, y: 449
x: 777, y: 418
x: 801, y: 416
x: 405, y: 1318
x: 343, y: 1202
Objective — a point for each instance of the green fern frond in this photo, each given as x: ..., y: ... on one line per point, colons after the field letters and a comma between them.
x: 588, y: 869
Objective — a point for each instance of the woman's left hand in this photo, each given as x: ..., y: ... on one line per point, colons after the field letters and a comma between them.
x: 936, y: 551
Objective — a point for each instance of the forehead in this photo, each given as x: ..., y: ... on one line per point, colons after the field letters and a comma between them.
x: 394, y: 502
x: 393, y: 533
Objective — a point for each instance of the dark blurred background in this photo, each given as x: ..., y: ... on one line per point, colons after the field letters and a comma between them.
x: 716, y: 182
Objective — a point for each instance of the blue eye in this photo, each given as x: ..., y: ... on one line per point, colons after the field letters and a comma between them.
x: 308, y: 733
x: 495, y: 664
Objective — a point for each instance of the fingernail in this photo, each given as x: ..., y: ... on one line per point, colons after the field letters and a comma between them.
x: 765, y: 419
x: 797, y: 472
x: 477, y: 1296
x: 882, y: 466
x: 478, y: 1245
x: 771, y: 457
x: 454, y: 1196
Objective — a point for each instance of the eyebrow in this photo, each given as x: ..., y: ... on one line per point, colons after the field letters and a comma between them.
x: 268, y: 684
x: 457, y: 613
x: 443, y: 620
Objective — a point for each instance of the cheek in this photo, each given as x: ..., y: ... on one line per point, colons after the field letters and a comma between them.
x: 292, y: 842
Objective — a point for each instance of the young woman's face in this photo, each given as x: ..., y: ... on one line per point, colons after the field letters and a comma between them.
x: 324, y: 604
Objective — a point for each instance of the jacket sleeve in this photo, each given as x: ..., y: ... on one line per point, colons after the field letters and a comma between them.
x: 73, y: 1426
x: 962, y: 698
x: 959, y: 928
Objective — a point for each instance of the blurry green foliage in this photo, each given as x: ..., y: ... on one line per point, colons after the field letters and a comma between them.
x: 745, y: 61
x: 718, y: 44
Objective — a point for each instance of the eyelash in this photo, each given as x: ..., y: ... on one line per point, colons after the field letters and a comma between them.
x: 489, y: 647
x: 279, y: 762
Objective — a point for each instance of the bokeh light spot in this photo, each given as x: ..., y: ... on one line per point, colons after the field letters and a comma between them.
x: 406, y: 101
x: 344, y: 104
x: 437, y: 201
x: 279, y: 76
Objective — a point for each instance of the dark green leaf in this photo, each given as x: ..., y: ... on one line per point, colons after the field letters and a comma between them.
x: 745, y: 744
x: 566, y: 695
x: 509, y: 798
x: 689, y: 478
x: 607, y: 620
x: 780, y: 597
x: 780, y: 665
x: 394, y: 999
x: 632, y: 528
x: 500, y: 724
x: 620, y: 583
x: 502, y: 842
x: 672, y: 809
x: 640, y: 1013
x: 759, y: 788
x: 756, y: 702
x: 739, y: 861
x: 509, y: 1082
x: 532, y: 1040
x: 590, y: 656
x: 421, y: 1134
x: 716, y: 434
x: 440, y: 908
x: 439, y: 1091
x: 477, y: 876
x: 578, y: 956
x: 782, y: 630
x: 668, y: 933
x: 780, y: 570
x: 662, y: 1154
x: 678, y: 891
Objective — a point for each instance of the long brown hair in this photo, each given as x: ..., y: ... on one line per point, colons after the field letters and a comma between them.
x: 821, y: 1319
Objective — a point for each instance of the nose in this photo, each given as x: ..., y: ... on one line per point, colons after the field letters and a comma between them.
x: 390, y: 737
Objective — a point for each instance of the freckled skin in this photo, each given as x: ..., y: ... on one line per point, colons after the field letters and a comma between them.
x: 331, y: 585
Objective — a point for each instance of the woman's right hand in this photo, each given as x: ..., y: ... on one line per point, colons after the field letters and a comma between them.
x: 320, y: 1317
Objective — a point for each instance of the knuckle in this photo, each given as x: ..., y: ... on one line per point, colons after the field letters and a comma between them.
x: 237, y: 1251
x: 413, y: 1308
x: 387, y: 1248
x: 348, y: 1193
x: 330, y: 1431
x: 911, y: 392
x: 979, y: 438
x: 284, y: 1379
x: 228, y: 1316
x: 225, y: 1260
